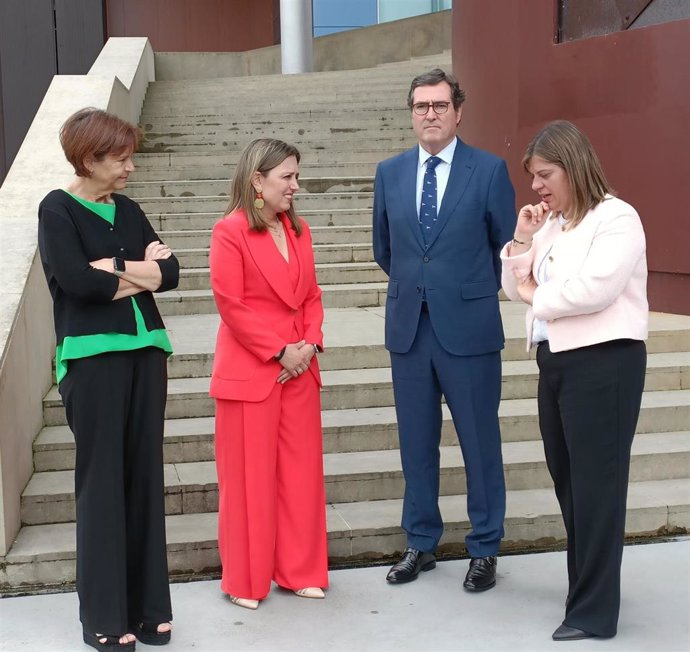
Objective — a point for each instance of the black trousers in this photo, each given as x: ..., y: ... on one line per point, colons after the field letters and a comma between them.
x: 115, y: 405
x: 589, y: 402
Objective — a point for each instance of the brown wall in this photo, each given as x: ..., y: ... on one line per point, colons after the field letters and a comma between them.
x: 629, y: 91
x: 197, y: 25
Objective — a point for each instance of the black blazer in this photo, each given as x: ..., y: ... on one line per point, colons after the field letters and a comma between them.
x: 69, y: 236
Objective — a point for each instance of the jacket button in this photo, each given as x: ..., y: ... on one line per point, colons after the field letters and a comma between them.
x: 426, y: 259
x: 111, y: 229
x: 122, y: 248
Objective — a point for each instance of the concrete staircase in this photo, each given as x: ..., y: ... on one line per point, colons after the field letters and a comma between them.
x: 343, y: 122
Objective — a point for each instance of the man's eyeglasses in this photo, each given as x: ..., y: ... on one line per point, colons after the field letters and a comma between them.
x: 422, y: 108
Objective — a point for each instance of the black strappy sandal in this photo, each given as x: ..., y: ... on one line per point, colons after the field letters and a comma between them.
x: 148, y: 633
x: 111, y: 644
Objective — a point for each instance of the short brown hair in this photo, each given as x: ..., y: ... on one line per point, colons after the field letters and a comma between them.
x: 433, y: 78
x: 563, y: 144
x: 261, y: 155
x: 92, y: 133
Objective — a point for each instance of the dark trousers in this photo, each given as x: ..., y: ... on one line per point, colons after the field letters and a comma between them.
x: 472, y: 389
x: 589, y: 402
x: 115, y: 405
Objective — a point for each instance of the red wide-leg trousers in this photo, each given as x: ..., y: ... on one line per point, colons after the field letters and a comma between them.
x: 272, y: 511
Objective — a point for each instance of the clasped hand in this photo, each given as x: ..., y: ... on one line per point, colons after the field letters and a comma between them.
x: 526, y: 286
x: 295, y: 360
x: 155, y: 250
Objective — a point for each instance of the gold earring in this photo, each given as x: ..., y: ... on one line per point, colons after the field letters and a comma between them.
x: 259, y: 202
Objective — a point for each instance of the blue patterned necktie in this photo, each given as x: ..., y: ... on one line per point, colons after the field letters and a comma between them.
x: 428, y: 212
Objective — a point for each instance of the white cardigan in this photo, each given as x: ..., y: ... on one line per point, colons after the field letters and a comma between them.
x: 597, y: 287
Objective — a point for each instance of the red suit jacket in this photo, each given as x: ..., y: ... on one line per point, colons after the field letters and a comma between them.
x: 260, y: 312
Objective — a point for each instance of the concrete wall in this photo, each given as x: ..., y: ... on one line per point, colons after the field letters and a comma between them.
x: 363, y: 48
x: 118, y: 82
x: 629, y: 91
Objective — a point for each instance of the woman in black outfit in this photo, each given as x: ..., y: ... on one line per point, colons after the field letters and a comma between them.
x: 102, y: 261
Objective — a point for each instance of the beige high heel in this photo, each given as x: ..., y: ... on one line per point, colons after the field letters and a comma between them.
x: 313, y: 592
x: 247, y: 603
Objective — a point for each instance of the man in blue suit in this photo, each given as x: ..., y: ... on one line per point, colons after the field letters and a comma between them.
x: 442, y: 212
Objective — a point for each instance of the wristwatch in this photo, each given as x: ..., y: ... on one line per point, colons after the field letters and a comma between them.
x: 119, y: 266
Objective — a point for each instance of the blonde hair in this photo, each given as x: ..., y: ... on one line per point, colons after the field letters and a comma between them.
x: 261, y: 155
x: 563, y: 144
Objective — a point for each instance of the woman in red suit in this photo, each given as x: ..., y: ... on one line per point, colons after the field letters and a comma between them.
x: 266, y: 382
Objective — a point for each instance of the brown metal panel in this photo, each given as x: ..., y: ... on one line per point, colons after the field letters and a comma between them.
x: 196, y: 25
x: 4, y: 162
x: 27, y: 66
x: 80, y: 35
x: 626, y: 90
x: 583, y: 18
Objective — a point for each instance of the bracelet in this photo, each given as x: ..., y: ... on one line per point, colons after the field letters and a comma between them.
x: 280, y: 354
x: 316, y: 349
x: 516, y: 241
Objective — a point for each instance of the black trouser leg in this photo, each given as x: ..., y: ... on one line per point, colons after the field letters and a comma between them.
x: 148, y: 592
x: 102, y: 398
x: 599, y: 390
x: 557, y: 460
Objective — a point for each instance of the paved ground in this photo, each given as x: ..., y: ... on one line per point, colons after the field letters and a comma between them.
x: 361, y: 612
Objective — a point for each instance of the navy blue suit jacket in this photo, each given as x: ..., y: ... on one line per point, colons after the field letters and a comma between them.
x: 459, y: 271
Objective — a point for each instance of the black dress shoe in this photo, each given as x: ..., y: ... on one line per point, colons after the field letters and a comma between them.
x: 411, y: 562
x: 566, y: 633
x: 482, y: 574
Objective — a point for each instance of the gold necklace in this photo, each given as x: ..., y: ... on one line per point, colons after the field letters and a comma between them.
x: 276, y: 229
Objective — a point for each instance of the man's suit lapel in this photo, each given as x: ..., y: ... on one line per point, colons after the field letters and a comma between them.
x: 267, y: 259
x: 407, y: 189
x: 460, y: 173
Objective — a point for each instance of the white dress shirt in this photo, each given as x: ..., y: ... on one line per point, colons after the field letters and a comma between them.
x: 442, y: 172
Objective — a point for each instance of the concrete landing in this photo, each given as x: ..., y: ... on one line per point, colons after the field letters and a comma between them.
x: 362, y: 613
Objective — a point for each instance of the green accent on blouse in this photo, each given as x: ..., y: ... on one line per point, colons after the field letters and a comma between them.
x: 84, y: 346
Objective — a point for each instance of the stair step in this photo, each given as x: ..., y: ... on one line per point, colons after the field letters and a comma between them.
x: 308, y: 118
x: 328, y: 273
x: 218, y: 204
x: 354, y: 338
x: 348, y: 295
x: 324, y: 253
x: 45, y: 554
x: 309, y: 135
x: 347, y: 233
x: 345, y: 429
x: 180, y: 223
x: 224, y: 168
x: 192, y: 487
x: 306, y: 145
x: 220, y: 186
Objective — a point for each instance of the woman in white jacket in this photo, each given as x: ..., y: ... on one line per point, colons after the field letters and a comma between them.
x: 578, y: 260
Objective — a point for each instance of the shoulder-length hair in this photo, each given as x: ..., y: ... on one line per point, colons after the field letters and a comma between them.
x: 562, y: 143
x: 261, y: 155
x: 93, y: 133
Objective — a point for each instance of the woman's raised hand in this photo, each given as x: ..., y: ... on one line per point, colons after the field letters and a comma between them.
x: 530, y: 219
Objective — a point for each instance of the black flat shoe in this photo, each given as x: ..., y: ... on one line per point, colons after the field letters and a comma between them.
x: 148, y: 633
x: 566, y: 633
x: 110, y: 644
x: 482, y: 574
x: 411, y: 563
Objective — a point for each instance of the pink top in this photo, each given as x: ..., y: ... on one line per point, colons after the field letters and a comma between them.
x: 597, y: 287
